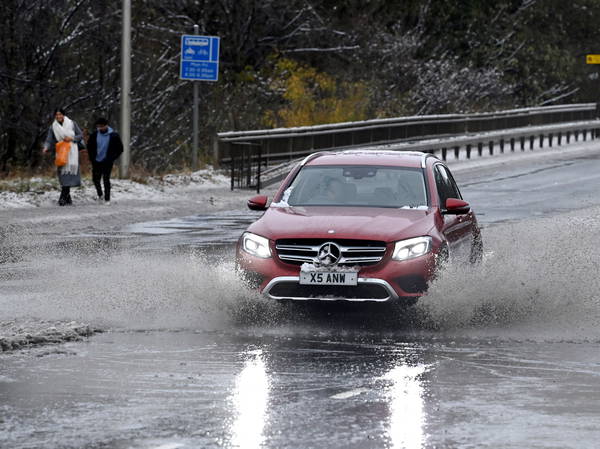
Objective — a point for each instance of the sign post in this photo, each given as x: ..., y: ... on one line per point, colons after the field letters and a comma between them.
x: 199, y: 61
x: 196, y: 116
x: 594, y: 59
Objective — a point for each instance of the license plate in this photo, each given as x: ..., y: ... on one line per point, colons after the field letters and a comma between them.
x: 328, y: 278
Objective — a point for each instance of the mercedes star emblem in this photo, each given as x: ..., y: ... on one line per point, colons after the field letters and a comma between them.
x: 329, y: 254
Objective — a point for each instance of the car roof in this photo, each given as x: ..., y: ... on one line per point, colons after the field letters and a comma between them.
x: 412, y: 159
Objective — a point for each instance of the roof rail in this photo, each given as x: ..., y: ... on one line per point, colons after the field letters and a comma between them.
x: 423, y: 155
x: 424, y: 159
x: 310, y: 157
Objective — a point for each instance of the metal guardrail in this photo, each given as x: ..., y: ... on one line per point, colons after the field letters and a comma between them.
x: 252, y: 155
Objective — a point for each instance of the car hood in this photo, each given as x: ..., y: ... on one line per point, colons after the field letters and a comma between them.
x: 364, y: 223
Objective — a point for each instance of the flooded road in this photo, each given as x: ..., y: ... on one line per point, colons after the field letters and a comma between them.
x: 503, y: 356
x: 283, y: 388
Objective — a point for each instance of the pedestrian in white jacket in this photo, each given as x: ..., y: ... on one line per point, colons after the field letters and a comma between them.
x: 65, y: 129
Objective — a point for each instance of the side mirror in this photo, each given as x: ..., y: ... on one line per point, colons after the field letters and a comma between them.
x: 258, y: 202
x: 454, y: 206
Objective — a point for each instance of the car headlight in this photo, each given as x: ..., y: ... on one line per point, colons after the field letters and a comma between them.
x: 411, y: 248
x: 256, y: 245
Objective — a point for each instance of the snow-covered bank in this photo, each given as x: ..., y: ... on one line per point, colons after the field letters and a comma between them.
x: 22, y: 333
x: 38, y: 192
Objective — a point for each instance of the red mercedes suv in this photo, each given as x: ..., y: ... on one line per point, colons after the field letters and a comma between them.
x: 358, y: 225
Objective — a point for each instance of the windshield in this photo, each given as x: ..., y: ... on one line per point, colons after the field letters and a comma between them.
x: 353, y: 185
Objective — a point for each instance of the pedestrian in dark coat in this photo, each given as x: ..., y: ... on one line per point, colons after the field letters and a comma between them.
x: 104, y: 147
x: 65, y: 129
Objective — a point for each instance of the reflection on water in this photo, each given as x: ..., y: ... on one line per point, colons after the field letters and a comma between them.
x: 407, y: 418
x: 250, y: 399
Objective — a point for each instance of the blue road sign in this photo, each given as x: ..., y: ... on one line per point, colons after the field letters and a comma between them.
x: 199, y: 58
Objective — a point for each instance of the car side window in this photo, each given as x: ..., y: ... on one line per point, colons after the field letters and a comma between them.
x: 446, y: 186
x: 453, y: 185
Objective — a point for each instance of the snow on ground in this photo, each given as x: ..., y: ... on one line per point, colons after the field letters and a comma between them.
x: 36, y: 192
x: 17, y: 334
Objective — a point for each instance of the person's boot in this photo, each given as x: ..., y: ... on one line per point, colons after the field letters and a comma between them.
x: 63, y: 197
x: 67, y: 195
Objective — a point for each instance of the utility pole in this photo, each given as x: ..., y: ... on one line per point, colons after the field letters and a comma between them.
x: 196, y: 118
x: 125, y: 89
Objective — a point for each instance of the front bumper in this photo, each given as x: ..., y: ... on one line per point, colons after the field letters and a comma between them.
x: 288, y: 287
x: 389, y: 280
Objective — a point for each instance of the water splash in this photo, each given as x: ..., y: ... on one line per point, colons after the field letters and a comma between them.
x: 90, y: 282
x: 538, y: 280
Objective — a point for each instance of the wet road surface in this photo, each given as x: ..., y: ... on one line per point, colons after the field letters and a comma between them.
x: 196, y: 389
x: 504, y: 356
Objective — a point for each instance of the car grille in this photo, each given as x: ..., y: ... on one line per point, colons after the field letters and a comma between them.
x: 353, y: 252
